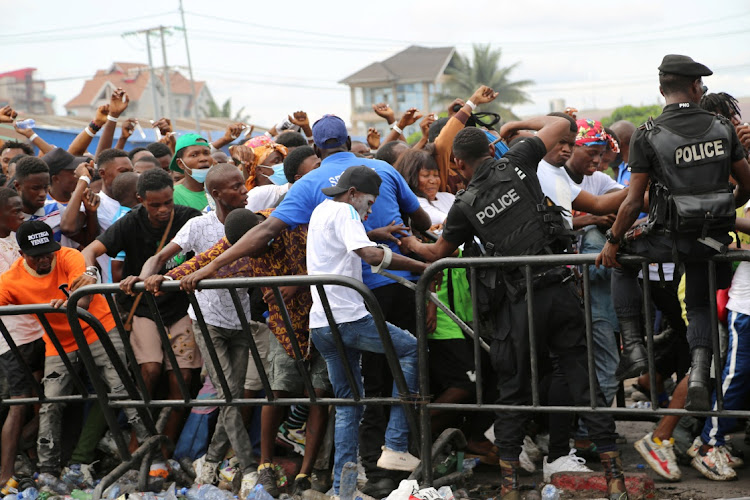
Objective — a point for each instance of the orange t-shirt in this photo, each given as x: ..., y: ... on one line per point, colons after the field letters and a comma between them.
x: 21, y: 285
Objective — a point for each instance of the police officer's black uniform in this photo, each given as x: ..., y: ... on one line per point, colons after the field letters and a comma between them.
x: 687, y: 153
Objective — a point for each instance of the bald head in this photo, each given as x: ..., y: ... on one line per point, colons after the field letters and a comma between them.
x: 217, y: 174
x: 624, y: 131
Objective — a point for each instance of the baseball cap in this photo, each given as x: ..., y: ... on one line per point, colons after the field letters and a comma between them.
x: 683, y: 65
x: 185, y: 141
x: 58, y: 159
x: 327, y: 128
x: 36, y: 238
x: 362, y: 178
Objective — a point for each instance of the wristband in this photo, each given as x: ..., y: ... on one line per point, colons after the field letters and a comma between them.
x: 94, y: 127
x: 93, y: 271
x: 34, y: 136
x: 90, y: 133
x: 396, y: 128
x: 85, y: 178
x: 111, y: 118
x: 309, y: 137
x: 471, y: 105
x: 387, y: 257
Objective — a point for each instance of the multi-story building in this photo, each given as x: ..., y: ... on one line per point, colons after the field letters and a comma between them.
x: 24, y: 93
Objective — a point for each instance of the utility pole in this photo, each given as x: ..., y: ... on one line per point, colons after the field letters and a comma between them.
x: 190, y: 71
x: 167, y: 83
x: 150, y: 67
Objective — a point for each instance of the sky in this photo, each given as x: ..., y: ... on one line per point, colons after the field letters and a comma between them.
x: 274, y: 58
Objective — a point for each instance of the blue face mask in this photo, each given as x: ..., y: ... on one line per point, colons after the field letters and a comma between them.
x: 278, y: 177
x: 200, y: 174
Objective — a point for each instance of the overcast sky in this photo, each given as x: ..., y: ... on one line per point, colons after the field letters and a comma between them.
x: 276, y: 57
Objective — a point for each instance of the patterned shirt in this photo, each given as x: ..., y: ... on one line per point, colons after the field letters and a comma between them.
x: 285, y: 257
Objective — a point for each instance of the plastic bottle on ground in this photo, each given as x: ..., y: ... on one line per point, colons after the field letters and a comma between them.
x: 205, y: 492
x: 470, y: 463
x: 28, y: 494
x: 550, y: 492
x: 445, y: 493
x: 260, y: 493
x: 51, y: 483
x: 348, y: 484
x: 78, y: 495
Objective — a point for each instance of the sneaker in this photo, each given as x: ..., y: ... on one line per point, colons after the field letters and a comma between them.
x: 734, y: 456
x: 301, y: 484
x: 713, y: 465
x: 158, y: 469
x: 397, y: 460
x: 659, y: 455
x: 292, y: 438
x: 267, y: 478
x: 205, y: 472
x: 526, y: 463
x: 249, y: 481
x: 693, y: 450
x: 532, y: 450
x: 568, y: 463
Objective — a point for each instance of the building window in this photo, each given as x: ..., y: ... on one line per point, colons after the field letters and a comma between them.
x: 409, y: 96
x: 372, y: 95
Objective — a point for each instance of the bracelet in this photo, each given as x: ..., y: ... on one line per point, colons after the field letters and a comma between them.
x: 93, y: 271
x: 34, y: 136
x: 396, y: 128
x: 111, y: 118
x: 94, y: 127
x: 471, y: 105
x: 85, y: 178
x: 91, y: 134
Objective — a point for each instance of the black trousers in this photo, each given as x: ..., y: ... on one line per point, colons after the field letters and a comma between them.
x: 398, y: 305
x: 560, y: 330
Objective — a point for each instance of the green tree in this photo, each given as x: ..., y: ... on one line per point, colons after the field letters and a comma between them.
x: 637, y: 115
x: 464, y: 76
x: 213, y: 110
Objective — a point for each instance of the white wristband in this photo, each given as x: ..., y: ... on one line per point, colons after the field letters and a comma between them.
x: 33, y: 136
x: 85, y: 178
x: 309, y: 137
x: 89, y: 132
x: 111, y: 118
x: 471, y: 105
x: 397, y: 128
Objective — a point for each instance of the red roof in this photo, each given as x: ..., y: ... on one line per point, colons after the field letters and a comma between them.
x: 18, y: 74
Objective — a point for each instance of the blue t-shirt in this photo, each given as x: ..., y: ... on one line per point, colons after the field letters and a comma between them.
x: 623, y: 178
x: 395, y: 196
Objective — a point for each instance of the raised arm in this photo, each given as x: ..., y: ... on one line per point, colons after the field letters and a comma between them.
x: 34, y: 139
x: 118, y: 103
x: 126, y: 130
x: 81, y: 143
x: 549, y: 129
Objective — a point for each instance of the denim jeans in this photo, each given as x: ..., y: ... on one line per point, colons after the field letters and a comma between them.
x: 357, y: 336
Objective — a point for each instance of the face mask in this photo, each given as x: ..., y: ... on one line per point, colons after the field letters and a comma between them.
x: 200, y: 175
x: 278, y: 177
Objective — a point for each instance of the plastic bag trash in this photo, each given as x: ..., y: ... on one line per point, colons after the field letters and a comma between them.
x: 446, y: 493
x: 405, y: 489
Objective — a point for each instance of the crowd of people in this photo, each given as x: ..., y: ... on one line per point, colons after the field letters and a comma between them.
x: 305, y: 199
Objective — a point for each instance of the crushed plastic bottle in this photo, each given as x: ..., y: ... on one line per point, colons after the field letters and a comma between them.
x: 26, y: 124
x: 80, y: 495
x: 446, y: 493
x: 53, y: 484
x: 470, y: 463
x: 348, y: 484
x: 259, y: 493
x: 28, y: 494
x: 205, y: 492
x: 549, y: 492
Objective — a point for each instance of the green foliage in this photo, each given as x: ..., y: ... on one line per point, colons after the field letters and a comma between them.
x: 637, y: 115
x: 465, y: 76
x: 224, y: 111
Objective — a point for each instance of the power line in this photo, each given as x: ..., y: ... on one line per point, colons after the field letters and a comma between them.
x: 77, y: 27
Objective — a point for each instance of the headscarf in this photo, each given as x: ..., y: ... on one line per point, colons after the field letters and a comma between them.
x: 590, y: 133
x: 262, y: 148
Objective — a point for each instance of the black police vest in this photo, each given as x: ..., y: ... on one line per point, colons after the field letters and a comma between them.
x: 510, y: 214
x: 693, y: 194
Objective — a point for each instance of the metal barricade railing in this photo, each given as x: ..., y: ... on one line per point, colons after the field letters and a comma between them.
x: 526, y: 264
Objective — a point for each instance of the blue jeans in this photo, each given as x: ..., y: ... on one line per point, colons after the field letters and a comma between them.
x: 362, y: 335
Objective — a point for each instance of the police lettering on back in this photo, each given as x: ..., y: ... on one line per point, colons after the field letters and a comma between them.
x: 694, y: 153
x: 497, y: 207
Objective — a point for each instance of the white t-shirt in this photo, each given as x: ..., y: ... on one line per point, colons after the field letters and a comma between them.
x: 739, y: 293
x: 268, y: 196
x: 334, y: 233
x: 599, y: 183
x: 23, y: 329
x: 438, y: 209
x: 106, y: 214
x: 198, y: 235
x: 558, y: 187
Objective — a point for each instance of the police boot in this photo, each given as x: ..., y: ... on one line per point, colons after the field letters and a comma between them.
x: 614, y: 475
x: 509, y: 480
x: 699, y: 381
x: 634, y: 358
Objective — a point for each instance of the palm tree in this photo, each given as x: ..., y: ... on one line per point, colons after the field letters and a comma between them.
x: 213, y: 110
x: 465, y: 76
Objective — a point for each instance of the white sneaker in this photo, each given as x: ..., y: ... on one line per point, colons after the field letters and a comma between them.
x: 659, y: 455
x: 526, y: 463
x: 693, y: 450
x: 532, y: 450
x: 732, y: 461
x: 249, y: 481
x: 397, y: 460
x: 207, y: 474
x: 714, y: 465
x: 568, y: 463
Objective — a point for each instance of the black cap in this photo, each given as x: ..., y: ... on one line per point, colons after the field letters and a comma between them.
x: 362, y: 178
x: 36, y: 238
x: 683, y: 65
x: 58, y: 159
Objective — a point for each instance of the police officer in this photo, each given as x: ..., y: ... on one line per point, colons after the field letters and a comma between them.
x: 687, y: 154
x: 504, y: 207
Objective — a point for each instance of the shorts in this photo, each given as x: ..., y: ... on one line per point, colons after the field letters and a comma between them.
x: 148, y: 349
x: 33, y: 356
x: 262, y: 336
x: 284, y: 375
x: 452, y: 365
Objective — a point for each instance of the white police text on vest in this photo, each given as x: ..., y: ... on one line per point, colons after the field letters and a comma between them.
x: 497, y: 207
x: 697, y: 152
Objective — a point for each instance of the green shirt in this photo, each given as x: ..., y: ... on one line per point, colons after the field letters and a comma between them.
x: 446, y: 328
x: 183, y: 196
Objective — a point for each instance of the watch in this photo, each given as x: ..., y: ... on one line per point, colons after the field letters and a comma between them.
x: 611, y: 237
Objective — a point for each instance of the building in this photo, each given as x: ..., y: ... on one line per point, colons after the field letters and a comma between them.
x: 135, y: 79
x: 410, y: 79
x: 24, y: 93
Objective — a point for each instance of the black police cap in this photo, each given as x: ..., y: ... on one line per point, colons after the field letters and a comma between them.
x: 683, y: 65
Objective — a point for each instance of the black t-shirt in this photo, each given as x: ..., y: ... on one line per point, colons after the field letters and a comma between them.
x: 525, y: 155
x: 139, y: 239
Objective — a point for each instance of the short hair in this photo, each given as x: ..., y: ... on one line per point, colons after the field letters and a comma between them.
x: 155, y: 179
x: 722, y: 104
x: 135, y: 151
x: 216, y: 173
x: 17, y: 145
x: 573, y: 124
x: 436, y: 128
x: 6, y: 194
x: 238, y: 222
x: 148, y: 159
x: 108, y: 155
x: 671, y: 83
x: 16, y: 158
x: 159, y: 149
x: 471, y: 143
x: 30, y: 165
x: 387, y: 151
x: 294, y: 159
x: 290, y: 139
x: 124, y: 186
x: 409, y: 165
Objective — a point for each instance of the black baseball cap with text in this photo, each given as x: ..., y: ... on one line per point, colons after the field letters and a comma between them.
x: 361, y: 178
x: 36, y: 238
